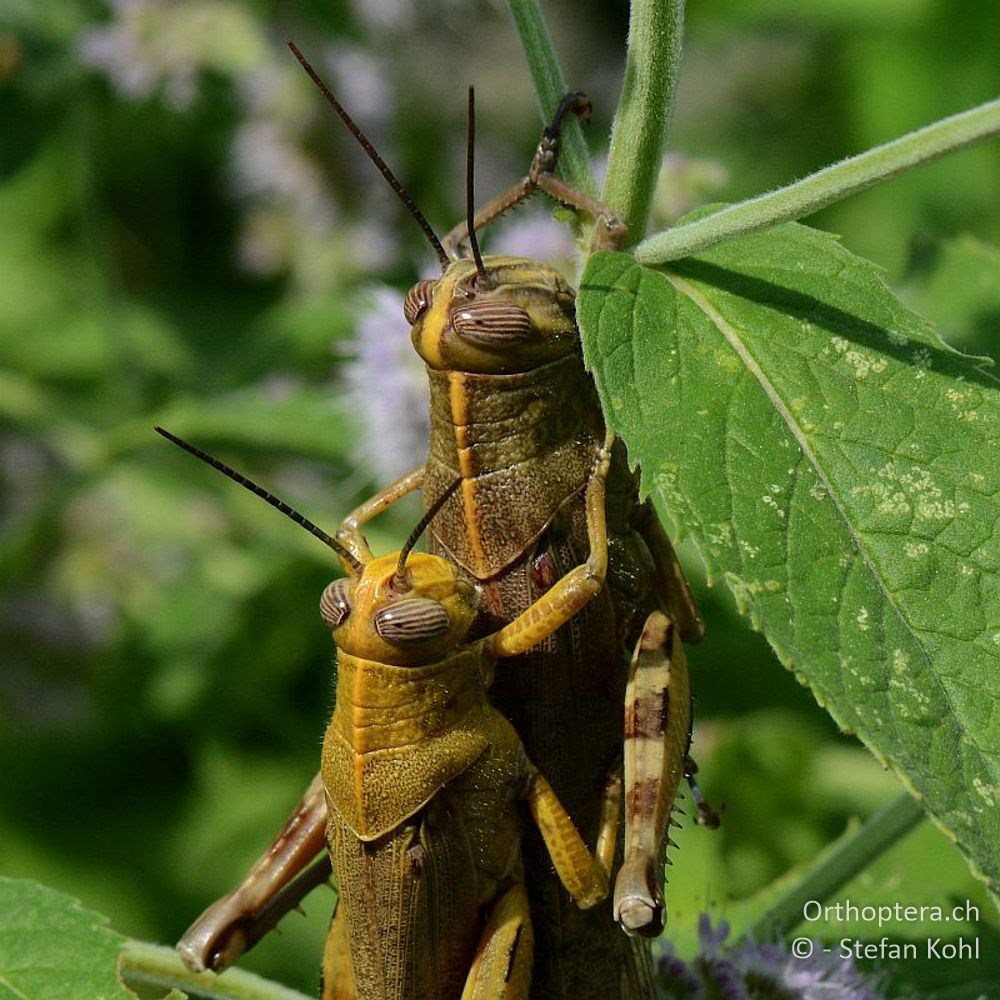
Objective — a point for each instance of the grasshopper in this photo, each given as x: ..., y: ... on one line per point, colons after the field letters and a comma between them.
x: 516, y: 419
x: 421, y: 775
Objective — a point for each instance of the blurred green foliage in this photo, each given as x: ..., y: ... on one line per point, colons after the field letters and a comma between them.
x: 183, y: 233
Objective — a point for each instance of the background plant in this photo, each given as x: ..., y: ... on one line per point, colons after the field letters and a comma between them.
x: 183, y: 236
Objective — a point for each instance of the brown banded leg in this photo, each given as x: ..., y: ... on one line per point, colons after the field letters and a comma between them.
x: 349, y: 532
x: 501, y: 969
x: 571, y: 593
x: 610, y: 229
x: 233, y: 924
x: 338, y: 974
x: 657, y: 736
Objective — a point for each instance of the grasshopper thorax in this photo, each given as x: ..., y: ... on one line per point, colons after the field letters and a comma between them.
x: 516, y: 315
x: 376, y: 618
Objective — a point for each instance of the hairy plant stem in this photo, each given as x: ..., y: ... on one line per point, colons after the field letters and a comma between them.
x: 143, y: 964
x: 644, y: 110
x: 574, y: 159
x: 826, y: 186
x: 851, y: 855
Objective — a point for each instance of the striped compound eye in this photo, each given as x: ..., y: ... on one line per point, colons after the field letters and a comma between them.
x: 418, y: 298
x: 491, y: 324
x: 335, y: 603
x: 412, y: 621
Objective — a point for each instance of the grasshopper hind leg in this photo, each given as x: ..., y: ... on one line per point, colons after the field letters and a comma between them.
x: 277, y: 883
x: 657, y: 737
x: 501, y: 969
x: 672, y: 586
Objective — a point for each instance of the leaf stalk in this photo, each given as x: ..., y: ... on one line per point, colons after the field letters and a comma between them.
x: 847, y: 858
x: 645, y: 109
x: 832, y: 184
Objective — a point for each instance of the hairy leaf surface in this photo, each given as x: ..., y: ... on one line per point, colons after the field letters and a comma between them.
x: 839, y: 467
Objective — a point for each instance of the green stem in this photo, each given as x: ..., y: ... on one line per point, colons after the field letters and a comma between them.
x: 847, y: 858
x: 826, y: 186
x: 574, y: 158
x: 143, y: 964
x: 644, y: 111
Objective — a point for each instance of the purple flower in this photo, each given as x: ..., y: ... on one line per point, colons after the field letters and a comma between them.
x: 750, y: 970
x: 386, y: 388
x: 153, y: 46
x: 534, y: 232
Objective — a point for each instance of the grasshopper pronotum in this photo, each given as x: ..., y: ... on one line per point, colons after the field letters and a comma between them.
x: 515, y: 418
x: 421, y: 775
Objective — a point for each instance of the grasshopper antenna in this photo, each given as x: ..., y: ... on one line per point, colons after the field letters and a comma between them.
x: 373, y: 155
x: 400, y: 579
x: 345, y: 554
x: 470, y: 196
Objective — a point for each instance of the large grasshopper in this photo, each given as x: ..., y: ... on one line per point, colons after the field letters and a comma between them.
x: 421, y: 774
x: 516, y: 418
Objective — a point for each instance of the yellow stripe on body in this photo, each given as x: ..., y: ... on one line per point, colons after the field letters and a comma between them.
x: 434, y: 322
x: 459, y: 401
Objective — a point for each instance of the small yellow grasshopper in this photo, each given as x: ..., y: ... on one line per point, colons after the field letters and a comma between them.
x: 422, y: 776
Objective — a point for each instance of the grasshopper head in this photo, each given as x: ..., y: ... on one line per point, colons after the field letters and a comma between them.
x: 409, y: 622
x: 519, y: 316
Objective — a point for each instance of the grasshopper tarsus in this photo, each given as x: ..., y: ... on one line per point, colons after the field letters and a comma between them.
x: 708, y: 816
x: 609, y: 230
x: 547, y: 154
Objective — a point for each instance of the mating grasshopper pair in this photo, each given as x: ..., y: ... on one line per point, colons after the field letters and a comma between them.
x: 516, y: 420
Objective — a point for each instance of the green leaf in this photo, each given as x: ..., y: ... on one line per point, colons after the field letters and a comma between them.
x: 51, y: 948
x: 836, y: 464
